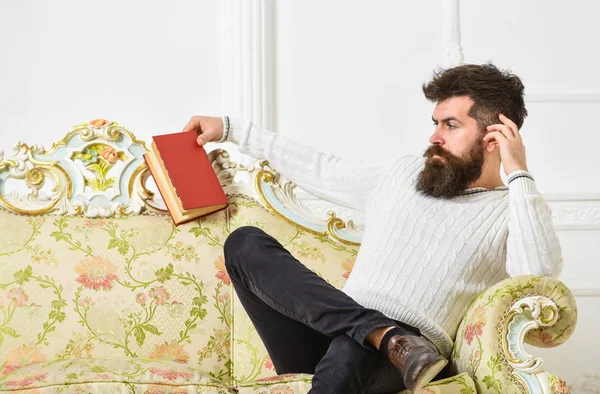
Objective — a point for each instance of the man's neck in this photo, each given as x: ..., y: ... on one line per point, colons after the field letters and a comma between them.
x: 489, y: 184
x: 490, y: 176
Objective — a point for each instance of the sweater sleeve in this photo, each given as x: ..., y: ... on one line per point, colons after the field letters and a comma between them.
x: 344, y: 182
x: 532, y: 245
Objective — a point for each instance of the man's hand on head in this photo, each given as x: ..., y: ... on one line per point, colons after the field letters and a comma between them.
x: 507, y: 138
x: 208, y: 128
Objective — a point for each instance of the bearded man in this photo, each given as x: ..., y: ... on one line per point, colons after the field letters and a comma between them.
x: 439, y: 230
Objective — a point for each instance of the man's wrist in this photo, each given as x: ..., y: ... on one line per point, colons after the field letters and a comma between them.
x: 226, y: 129
x: 509, y: 169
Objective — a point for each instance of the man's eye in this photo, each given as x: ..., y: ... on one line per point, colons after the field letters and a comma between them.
x: 450, y: 125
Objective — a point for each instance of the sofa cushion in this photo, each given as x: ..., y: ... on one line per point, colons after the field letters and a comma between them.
x: 110, y: 375
x: 282, y: 384
x: 301, y: 383
x: 458, y: 384
x: 73, y: 287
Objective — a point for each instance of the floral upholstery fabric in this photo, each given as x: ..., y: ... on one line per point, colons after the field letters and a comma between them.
x: 138, y: 305
x: 478, y: 349
x: 138, y: 287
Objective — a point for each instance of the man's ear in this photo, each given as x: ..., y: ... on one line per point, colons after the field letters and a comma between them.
x: 491, y: 145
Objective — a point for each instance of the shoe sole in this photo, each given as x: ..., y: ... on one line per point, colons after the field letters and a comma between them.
x: 431, y: 372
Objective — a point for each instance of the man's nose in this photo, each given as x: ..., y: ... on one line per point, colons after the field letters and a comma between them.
x: 436, y: 138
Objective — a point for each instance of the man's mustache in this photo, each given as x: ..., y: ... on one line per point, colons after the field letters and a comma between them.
x: 438, y: 150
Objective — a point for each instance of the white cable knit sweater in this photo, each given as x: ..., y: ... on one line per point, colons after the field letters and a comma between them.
x: 422, y: 261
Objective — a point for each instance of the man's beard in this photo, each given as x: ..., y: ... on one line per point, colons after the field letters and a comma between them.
x: 447, y: 177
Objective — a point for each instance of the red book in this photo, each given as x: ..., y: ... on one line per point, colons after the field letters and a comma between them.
x: 184, y: 176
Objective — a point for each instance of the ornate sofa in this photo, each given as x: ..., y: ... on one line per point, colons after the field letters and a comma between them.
x: 100, y: 293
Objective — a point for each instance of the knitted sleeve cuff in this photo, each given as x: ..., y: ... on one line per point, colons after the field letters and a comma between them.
x: 521, y: 182
x: 226, y: 129
x: 234, y: 130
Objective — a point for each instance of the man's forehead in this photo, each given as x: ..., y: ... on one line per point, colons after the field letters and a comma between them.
x: 457, y: 107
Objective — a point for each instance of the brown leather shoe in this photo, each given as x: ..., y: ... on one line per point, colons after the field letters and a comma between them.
x: 417, y: 359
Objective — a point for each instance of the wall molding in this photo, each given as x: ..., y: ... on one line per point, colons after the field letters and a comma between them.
x: 575, y: 214
x: 589, y: 289
x: 563, y: 97
x: 247, y: 43
x: 453, y: 55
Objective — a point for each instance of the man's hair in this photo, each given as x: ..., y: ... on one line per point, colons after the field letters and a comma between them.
x: 493, y: 92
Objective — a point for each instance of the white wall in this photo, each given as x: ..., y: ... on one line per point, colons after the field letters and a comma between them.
x: 148, y: 65
x: 343, y: 75
x: 348, y: 74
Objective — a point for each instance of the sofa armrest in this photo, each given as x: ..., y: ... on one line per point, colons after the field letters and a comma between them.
x: 490, y: 340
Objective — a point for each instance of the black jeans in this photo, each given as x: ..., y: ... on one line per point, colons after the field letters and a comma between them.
x: 307, y: 325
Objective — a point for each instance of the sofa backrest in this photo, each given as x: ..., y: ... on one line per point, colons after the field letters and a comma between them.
x: 130, y: 283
